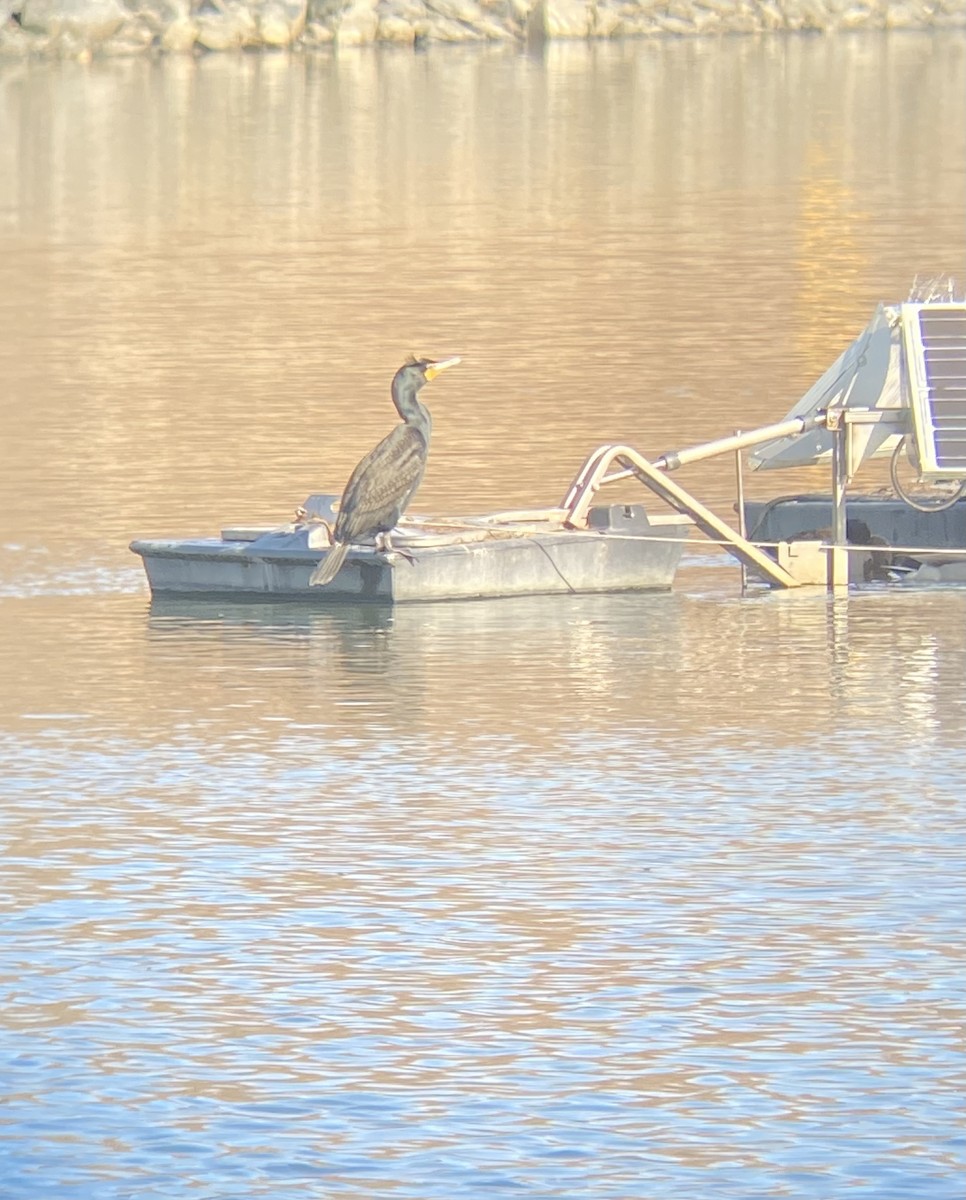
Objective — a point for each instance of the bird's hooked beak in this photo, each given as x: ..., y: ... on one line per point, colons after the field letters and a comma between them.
x: 437, y: 368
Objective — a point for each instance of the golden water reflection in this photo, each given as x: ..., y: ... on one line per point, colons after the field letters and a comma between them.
x: 212, y: 267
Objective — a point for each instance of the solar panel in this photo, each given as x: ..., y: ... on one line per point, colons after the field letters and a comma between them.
x: 934, y: 345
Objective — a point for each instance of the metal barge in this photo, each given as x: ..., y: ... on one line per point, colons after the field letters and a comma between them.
x: 618, y: 548
x: 576, y: 547
x: 899, y: 389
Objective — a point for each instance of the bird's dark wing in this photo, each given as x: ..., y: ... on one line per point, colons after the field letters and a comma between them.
x: 382, y: 485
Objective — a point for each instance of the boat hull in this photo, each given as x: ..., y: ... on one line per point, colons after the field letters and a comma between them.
x: 493, y: 562
x: 898, y: 524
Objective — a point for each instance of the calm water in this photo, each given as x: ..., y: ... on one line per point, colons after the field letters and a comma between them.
x: 612, y: 897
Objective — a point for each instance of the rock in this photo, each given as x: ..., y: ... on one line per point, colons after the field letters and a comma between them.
x: 462, y: 20
x: 445, y: 29
x: 675, y: 25
x: 17, y: 43
x: 707, y: 20
x: 859, y: 16
x: 456, y: 10
x: 501, y: 13
x: 325, y: 12
x: 87, y: 22
x: 317, y: 34
x: 495, y: 32
x: 228, y: 29
x: 215, y: 32
x: 521, y: 10
x: 77, y: 28
x: 134, y: 37
x: 603, y: 21
x: 281, y: 22
x: 562, y: 18
x: 68, y: 45
x: 358, y: 24
x: 396, y: 29
x: 413, y: 14
x: 770, y: 15
x: 636, y: 25
x: 273, y: 26
x: 911, y: 16
x: 159, y: 14
x: 180, y: 36
x: 812, y: 14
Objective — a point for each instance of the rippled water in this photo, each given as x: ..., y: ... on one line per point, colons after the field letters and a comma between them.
x: 565, y: 897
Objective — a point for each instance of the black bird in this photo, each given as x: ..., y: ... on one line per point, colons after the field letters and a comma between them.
x: 382, y: 485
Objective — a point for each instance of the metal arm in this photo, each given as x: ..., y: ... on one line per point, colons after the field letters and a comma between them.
x: 594, y: 473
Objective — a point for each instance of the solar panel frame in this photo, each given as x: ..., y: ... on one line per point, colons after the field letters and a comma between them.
x: 934, y: 356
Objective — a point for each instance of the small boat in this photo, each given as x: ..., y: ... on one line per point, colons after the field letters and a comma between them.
x: 613, y: 548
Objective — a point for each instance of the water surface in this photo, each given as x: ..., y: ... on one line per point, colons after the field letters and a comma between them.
x: 631, y: 896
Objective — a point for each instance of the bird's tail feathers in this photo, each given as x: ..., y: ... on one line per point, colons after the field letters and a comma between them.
x: 328, y: 568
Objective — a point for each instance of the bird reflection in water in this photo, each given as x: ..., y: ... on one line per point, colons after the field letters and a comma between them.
x: 301, y: 660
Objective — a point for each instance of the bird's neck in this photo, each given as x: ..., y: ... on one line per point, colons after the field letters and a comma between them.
x: 410, y: 408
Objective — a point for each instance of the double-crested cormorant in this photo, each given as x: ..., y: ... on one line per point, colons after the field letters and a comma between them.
x: 387, y: 478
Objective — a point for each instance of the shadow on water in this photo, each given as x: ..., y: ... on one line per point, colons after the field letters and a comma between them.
x: 680, y: 667
x: 560, y: 632
x: 266, y: 618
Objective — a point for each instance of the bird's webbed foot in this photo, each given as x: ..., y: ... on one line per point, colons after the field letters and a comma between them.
x: 384, y: 546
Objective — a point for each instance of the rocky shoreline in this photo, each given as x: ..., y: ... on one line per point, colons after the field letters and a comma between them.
x: 81, y: 29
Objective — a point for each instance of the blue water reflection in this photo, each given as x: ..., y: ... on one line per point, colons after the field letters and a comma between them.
x: 536, y: 957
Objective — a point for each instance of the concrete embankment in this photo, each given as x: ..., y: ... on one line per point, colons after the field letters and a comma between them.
x: 83, y: 28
